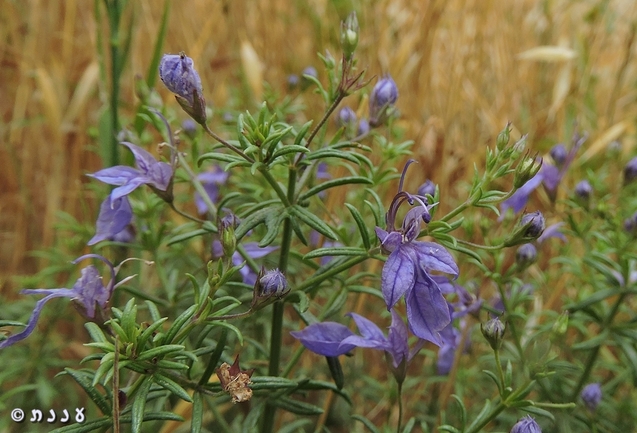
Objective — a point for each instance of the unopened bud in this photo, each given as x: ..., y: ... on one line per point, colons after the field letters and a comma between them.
x: 630, y: 171
x: 429, y: 187
x: 561, y: 324
x: 525, y: 256
x: 583, y: 192
x: 503, y: 137
x: 177, y: 71
x: 346, y: 117
x: 189, y: 127
x: 591, y: 396
x: 526, y: 425
x: 559, y: 154
x: 228, y: 239
x: 493, y: 331
x: 530, y: 227
x: 363, y: 127
x: 526, y: 170
x: 349, y: 35
x: 310, y: 71
x: 382, y: 100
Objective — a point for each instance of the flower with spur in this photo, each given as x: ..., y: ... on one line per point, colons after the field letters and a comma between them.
x: 211, y: 180
x: 88, y: 292
x: 334, y: 339
x: 157, y: 175
x: 407, y: 270
x: 549, y: 175
x: 177, y: 72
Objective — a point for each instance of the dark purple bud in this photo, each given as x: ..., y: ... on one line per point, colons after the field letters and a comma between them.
x: 363, y: 127
x: 530, y: 227
x: 630, y: 225
x: 429, y: 187
x: 526, y: 425
x: 534, y: 224
x: 346, y: 117
x: 493, y: 331
x: 559, y: 154
x: 189, y: 127
x: 591, y: 396
x: 525, y: 256
x: 382, y: 100
x: 583, y: 191
x: 272, y: 283
x: 630, y: 171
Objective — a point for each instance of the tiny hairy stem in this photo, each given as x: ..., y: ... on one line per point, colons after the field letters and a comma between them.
x: 228, y: 145
x: 198, y: 187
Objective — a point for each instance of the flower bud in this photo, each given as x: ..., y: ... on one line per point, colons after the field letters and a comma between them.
x: 530, y: 227
x: 382, y: 100
x: 559, y: 154
x: 177, y: 71
x: 561, y: 324
x: 526, y: 170
x: 346, y: 117
x: 583, y: 191
x: 526, y: 425
x: 363, y: 127
x: 503, y: 137
x: 429, y: 187
x: 189, y: 127
x: 630, y: 224
x: 271, y: 284
x: 226, y: 234
x: 310, y: 71
x: 519, y: 146
x: 293, y: 81
x: 349, y: 35
x: 525, y: 256
x: 493, y: 331
x: 591, y: 396
x: 630, y: 171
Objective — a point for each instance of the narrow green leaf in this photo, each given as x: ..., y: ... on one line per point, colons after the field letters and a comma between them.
x: 96, y: 397
x: 335, y: 251
x: 367, y: 423
x: 255, y: 218
x: 286, y: 150
x: 159, y: 352
x: 140, y: 404
x: 97, y: 335
x: 297, y: 407
x: 179, y: 323
x: 349, y: 180
x: 186, y: 236
x: 197, y: 413
x: 313, y: 221
x: 172, y: 386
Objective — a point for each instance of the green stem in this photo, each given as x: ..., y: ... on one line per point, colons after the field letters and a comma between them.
x: 482, y: 247
x: 400, y: 407
x: 510, y: 324
x: 276, y: 336
x: 228, y: 145
x: 198, y: 187
x: 186, y: 215
x: 285, y: 199
x: 498, y: 365
x: 592, y: 357
x: 114, y: 18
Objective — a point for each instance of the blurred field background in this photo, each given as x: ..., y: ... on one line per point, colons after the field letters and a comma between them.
x: 463, y: 67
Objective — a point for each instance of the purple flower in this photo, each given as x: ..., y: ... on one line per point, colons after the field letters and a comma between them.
x: 549, y: 175
x: 584, y: 191
x: 189, y: 127
x: 334, y: 339
x: 293, y: 81
x: 591, y: 396
x: 114, y: 218
x: 382, y: 100
x: 210, y: 180
x: 526, y: 255
x: 526, y: 425
x: 87, y: 291
x: 157, y: 175
x: 406, y: 272
x: 447, y: 353
x: 252, y: 249
x: 552, y: 231
x: 178, y: 73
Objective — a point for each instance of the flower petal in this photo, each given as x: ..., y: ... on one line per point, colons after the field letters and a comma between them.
x: 398, y: 276
x: 33, y: 320
x: 325, y: 338
x: 118, y: 175
x: 427, y: 310
x: 145, y: 160
x: 434, y: 257
x: 368, y: 329
x: 113, y: 218
x: 518, y: 200
x: 129, y: 187
x: 398, y: 338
